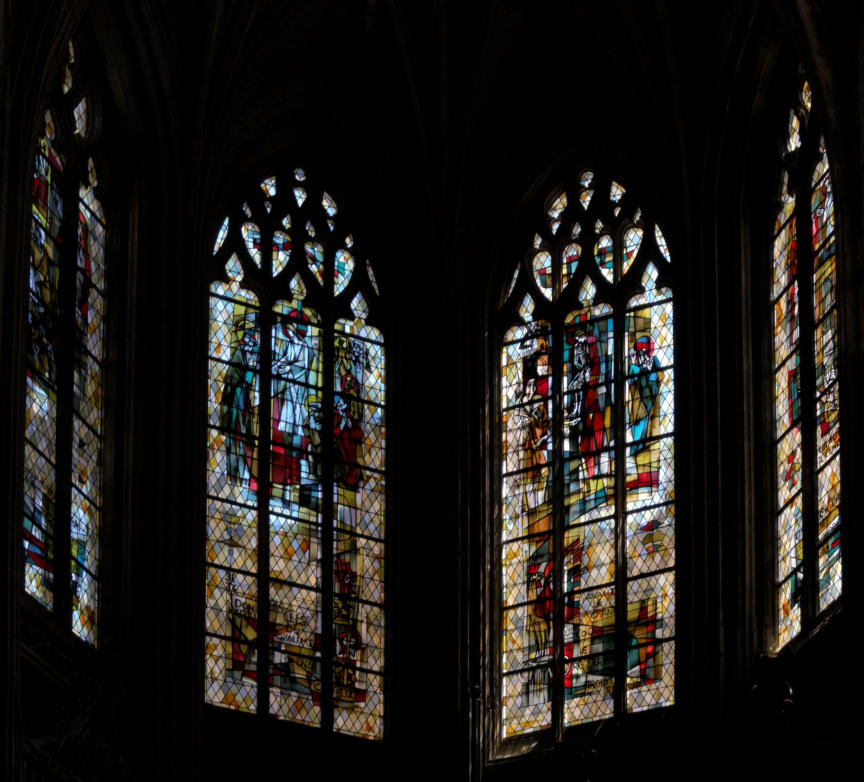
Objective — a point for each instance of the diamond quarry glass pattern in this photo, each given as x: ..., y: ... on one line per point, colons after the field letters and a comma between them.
x: 296, y: 453
x: 63, y: 419
x: 809, y: 575
x: 587, y: 510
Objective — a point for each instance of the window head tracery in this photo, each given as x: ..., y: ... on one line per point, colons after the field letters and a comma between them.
x: 586, y: 534
x: 295, y: 599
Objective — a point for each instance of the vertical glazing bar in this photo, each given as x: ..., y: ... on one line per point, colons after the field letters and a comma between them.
x: 328, y: 527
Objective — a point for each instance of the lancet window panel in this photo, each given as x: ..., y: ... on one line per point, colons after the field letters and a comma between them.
x: 296, y: 462
x: 66, y: 311
x: 586, y: 522
x: 808, y: 575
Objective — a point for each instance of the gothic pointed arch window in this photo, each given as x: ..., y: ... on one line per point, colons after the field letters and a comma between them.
x: 295, y: 611
x: 65, y: 357
x: 806, y: 385
x: 586, y: 526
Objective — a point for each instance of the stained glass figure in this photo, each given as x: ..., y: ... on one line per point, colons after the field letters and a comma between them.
x: 806, y: 388
x: 576, y: 532
x: 295, y: 618
x: 65, y: 357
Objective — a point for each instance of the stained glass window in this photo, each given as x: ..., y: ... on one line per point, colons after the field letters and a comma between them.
x: 586, y: 532
x: 65, y: 357
x: 295, y: 602
x: 806, y: 387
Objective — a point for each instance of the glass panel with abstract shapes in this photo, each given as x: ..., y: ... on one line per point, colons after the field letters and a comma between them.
x: 268, y: 186
x: 342, y: 270
x: 53, y: 385
x: 281, y: 251
x: 650, y: 641
x: 542, y: 266
x: 296, y: 516
x: 252, y: 238
x: 585, y: 191
x: 315, y: 259
x: 795, y: 550
x: 632, y: 240
x: 570, y: 256
x: 578, y: 566
x: 604, y: 254
x: 558, y: 205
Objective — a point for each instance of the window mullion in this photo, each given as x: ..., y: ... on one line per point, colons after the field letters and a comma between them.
x: 559, y: 593
x: 619, y: 386
x: 810, y: 591
x: 265, y: 413
x: 66, y: 351
x: 327, y: 501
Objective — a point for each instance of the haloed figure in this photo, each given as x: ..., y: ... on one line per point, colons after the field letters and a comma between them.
x: 291, y: 366
x: 643, y: 380
x: 240, y: 403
